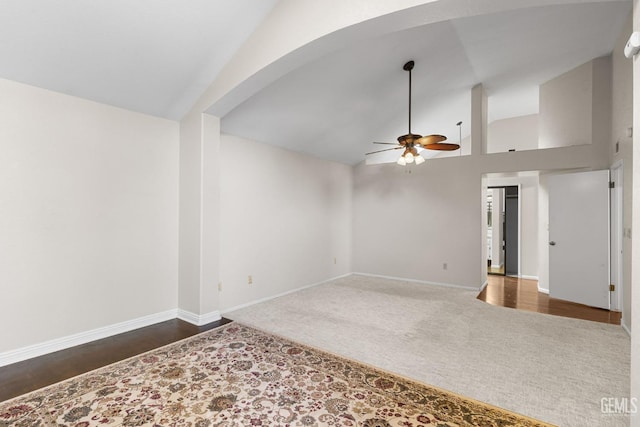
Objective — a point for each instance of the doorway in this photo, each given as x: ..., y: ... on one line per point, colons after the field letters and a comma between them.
x: 503, y: 230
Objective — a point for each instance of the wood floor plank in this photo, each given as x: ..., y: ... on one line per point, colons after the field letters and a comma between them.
x: 522, y: 294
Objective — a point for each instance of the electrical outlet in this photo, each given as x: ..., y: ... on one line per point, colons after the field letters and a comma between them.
x: 444, y: 266
x: 219, y: 286
x: 250, y: 279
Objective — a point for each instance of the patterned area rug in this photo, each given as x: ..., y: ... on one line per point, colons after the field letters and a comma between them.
x: 239, y: 376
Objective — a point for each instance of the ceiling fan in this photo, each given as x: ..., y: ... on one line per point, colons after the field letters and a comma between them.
x: 411, y: 141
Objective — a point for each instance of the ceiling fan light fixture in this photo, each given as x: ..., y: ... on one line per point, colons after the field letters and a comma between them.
x: 408, y: 158
x: 401, y: 161
x: 419, y: 159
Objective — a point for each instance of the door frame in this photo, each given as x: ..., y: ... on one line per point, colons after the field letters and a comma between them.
x: 519, y: 245
x: 616, y: 251
x: 493, y: 216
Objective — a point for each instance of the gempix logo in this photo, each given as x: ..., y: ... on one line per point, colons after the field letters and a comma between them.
x: 619, y: 405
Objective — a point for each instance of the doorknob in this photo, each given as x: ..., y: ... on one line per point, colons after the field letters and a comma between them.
x: 552, y: 243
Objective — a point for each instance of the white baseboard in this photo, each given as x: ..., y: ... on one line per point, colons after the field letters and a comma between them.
x: 62, y: 343
x: 524, y: 276
x: 258, y: 301
x: 423, y: 282
x: 496, y: 265
x: 543, y: 290
x: 198, y: 319
x: 626, y: 328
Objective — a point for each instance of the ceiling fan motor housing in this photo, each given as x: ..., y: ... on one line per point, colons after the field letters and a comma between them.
x: 408, y: 139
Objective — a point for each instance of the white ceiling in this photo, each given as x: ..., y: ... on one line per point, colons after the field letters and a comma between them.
x: 151, y: 56
x: 158, y: 56
x: 335, y: 107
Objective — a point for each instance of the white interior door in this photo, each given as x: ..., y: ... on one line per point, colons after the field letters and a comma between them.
x: 579, y: 237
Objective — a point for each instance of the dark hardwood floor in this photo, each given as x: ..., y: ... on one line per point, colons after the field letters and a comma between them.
x: 32, y: 374
x: 523, y: 294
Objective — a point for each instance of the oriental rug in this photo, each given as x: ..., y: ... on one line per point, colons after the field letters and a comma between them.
x: 239, y: 376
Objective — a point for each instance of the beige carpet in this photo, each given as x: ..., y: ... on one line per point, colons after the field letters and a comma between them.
x: 551, y: 368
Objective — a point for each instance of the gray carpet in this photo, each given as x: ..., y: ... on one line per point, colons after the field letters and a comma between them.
x: 547, y: 367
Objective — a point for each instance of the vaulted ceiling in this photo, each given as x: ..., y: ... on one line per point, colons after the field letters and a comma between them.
x: 151, y: 56
x: 335, y: 107
x: 158, y: 56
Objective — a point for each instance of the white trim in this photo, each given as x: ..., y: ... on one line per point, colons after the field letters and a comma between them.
x: 423, y: 282
x: 519, y: 185
x: 258, y: 301
x: 616, y: 237
x: 198, y: 319
x: 519, y: 227
x: 35, y: 350
x: 543, y: 290
x: 484, y: 285
x: 626, y: 328
x: 496, y: 265
x: 525, y: 276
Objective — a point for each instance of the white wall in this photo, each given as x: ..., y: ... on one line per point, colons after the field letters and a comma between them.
x: 408, y: 222
x: 199, y: 220
x: 517, y: 133
x: 565, y: 116
x: 408, y: 225
x: 284, y: 218
x: 601, y: 111
x: 190, y: 219
x: 575, y: 108
x: 528, y: 227
x: 88, y: 202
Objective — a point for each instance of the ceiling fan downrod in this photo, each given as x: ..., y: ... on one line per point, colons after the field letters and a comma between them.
x: 408, y: 67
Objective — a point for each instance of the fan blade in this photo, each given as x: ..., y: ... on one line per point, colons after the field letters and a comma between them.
x: 442, y: 146
x: 386, y: 149
x: 386, y: 143
x: 430, y: 139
